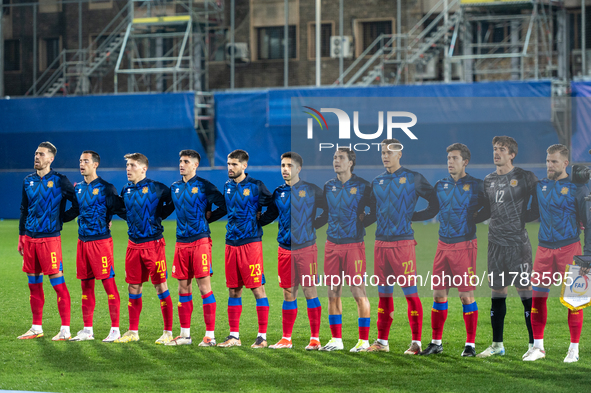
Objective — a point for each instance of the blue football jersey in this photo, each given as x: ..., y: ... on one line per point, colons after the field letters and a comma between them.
x: 192, y: 200
x: 296, y: 208
x: 43, y: 204
x: 394, y: 198
x: 562, y: 208
x: 96, y: 203
x: 244, y: 201
x: 458, y: 201
x: 144, y: 212
x: 345, y: 203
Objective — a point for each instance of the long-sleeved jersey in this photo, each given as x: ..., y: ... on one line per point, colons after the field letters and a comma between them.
x: 458, y: 201
x: 192, y: 200
x: 562, y: 208
x: 43, y: 204
x: 243, y: 201
x: 144, y: 204
x: 507, y: 199
x: 394, y: 198
x: 296, y: 208
x: 345, y: 203
x: 96, y: 203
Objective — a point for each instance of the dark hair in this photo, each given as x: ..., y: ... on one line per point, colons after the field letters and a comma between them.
x: 49, y: 146
x: 94, y: 154
x: 558, y: 148
x: 464, y: 151
x: 294, y: 157
x: 190, y: 153
x: 391, y: 141
x: 508, y: 142
x: 139, y: 157
x: 350, y: 155
x: 239, y: 155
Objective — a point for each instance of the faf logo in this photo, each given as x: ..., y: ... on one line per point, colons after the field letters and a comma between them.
x: 580, y: 285
x: 345, y: 127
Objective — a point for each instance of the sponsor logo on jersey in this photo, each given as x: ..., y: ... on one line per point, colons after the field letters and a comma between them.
x: 564, y: 190
x: 246, y: 192
x: 544, y: 188
x: 445, y: 186
x: 194, y: 190
x: 302, y: 193
x: 31, y: 183
x: 402, y: 180
x: 353, y: 190
x: 145, y: 190
x: 466, y: 187
x: 513, y: 183
x: 334, y: 188
x: 50, y: 184
x: 282, y: 194
x: 95, y: 191
x: 382, y: 181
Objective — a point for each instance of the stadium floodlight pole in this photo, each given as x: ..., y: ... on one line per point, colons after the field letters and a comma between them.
x: 232, y: 48
x: 35, y: 49
x: 583, y: 39
x: 318, y: 8
x: 286, y: 46
x: 79, y: 26
x: 341, y: 66
x: 398, y: 29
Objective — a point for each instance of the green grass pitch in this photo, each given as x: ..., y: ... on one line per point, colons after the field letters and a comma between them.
x: 144, y: 366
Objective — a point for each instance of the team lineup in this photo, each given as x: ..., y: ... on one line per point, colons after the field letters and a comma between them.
x: 508, y: 197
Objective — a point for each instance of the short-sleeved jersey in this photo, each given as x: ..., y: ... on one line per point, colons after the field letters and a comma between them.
x: 192, y: 200
x: 562, y: 207
x: 43, y: 204
x: 243, y: 201
x: 144, y: 204
x: 394, y: 198
x: 345, y: 202
x: 296, y: 208
x: 96, y: 203
x: 507, y: 199
x: 458, y: 201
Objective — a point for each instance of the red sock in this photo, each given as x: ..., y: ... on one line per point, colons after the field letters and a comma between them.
x: 363, y: 324
x: 209, y: 308
x: 539, y: 314
x: 314, y: 315
x: 166, y: 307
x: 415, y: 316
x: 234, y: 312
x: 37, y: 300
x: 470, y: 321
x: 63, y: 299
x: 385, y: 308
x: 113, y: 299
x: 135, y: 309
x: 575, y: 325
x: 263, y: 314
x: 336, y: 325
x: 289, y: 314
x: 185, y: 308
x: 438, y: 318
x: 88, y: 302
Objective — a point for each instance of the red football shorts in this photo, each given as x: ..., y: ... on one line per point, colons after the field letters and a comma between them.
x: 454, y: 265
x: 94, y: 259
x: 144, y: 260
x: 550, y: 260
x: 345, y: 259
x: 192, y: 259
x: 244, y: 265
x: 298, y: 267
x: 395, y: 263
x: 42, y: 255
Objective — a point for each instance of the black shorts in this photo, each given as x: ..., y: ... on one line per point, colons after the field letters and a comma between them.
x: 509, y: 265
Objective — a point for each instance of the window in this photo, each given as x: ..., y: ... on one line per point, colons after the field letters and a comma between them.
x: 494, y: 33
x: 326, y: 29
x: 217, y: 42
x: 575, y: 29
x: 52, y: 51
x: 371, y: 31
x: 12, y: 55
x: 6, y: 10
x: 271, y: 42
